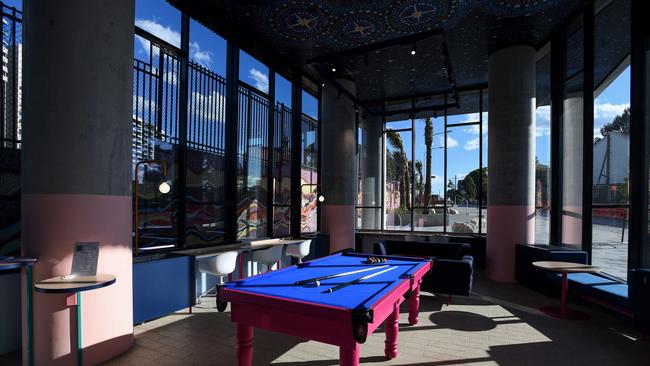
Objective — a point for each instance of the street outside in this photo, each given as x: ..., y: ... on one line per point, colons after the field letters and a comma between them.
x: 608, y: 252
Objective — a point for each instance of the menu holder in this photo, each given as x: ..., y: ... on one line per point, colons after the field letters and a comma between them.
x: 84, y: 259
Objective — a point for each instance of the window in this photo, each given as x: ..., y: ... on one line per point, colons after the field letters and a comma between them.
x: 611, y: 143
x: 543, y: 152
x: 611, y: 156
x: 429, y: 173
x: 370, y: 159
x: 206, y: 121
x: 309, y: 164
x: 281, y: 182
x: 434, y: 169
x: 398, y: 175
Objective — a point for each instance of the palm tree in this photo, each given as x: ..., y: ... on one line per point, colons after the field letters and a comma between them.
x: 428, y: 141
x: 395, y: 140
x: 419, y: 178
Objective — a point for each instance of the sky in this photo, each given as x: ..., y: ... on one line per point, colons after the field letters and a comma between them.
x: 463, y: 142
x: 209, y: 50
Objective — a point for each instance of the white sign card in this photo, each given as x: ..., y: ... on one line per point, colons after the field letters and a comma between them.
x: 84, y: 259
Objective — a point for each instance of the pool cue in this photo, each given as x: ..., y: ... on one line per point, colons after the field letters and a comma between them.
x: 332, y: 289
x: 318, y: 279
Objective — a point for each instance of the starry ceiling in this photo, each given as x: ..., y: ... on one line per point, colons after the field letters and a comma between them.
x: 371, y: 41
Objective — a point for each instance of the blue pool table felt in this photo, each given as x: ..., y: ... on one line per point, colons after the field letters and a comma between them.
x: 357, y: 296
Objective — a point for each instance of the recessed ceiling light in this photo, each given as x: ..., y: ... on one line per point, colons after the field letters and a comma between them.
x: 333, y: 69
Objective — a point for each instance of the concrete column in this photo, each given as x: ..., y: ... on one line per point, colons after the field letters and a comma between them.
x: 572, y: 127
x: 511, y: 158
x: 371, y: 170
x: 76, y: 169
x: 338, y: 165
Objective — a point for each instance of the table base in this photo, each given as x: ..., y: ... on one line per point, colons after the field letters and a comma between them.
x: 570, y: 314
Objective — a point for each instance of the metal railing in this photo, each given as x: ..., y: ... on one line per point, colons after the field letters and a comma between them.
x: 11, y: 87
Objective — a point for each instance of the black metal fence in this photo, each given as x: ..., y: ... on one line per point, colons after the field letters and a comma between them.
x: 11, y: 87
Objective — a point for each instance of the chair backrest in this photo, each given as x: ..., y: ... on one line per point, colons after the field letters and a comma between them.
x: 268, y: 256
x: 219, y: 265
x: 303, y: 248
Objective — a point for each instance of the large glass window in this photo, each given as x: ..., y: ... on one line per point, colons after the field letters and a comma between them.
x: 309, y: 165
x: 543, y: 152
x: 611, y: 142
x: 611, y: 156
x: 206, y: 120
x: 252, y: 145
x: 281, y: 183
x: 398, y: 175
x: 429, y: 172
x: 435, y: 174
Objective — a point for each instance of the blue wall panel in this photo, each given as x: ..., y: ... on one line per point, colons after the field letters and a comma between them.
x: 162, y: 286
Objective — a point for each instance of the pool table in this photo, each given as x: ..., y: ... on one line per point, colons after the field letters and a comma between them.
x: 344, y: 317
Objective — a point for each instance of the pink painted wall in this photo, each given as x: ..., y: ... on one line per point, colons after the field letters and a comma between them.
x: 338, y: 223
x: 507, y: 226
x: 50, y: 226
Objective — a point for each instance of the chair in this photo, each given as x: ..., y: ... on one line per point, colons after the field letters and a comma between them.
x: 220, y: 265
x: 269, y: 256
x: 299, y: 251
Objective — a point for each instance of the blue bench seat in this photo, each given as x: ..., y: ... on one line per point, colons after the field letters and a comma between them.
x: 601, y: 288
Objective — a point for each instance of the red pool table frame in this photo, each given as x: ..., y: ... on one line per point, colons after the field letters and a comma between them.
x: 322, y: 323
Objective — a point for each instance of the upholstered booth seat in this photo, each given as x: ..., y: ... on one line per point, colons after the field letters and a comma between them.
x: 453, y: 266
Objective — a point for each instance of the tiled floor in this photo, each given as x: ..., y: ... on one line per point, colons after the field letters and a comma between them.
x: 498, y: 325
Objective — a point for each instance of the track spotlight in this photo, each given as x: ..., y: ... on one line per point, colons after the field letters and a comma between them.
x: 413, y: 50
x: 323, y: 84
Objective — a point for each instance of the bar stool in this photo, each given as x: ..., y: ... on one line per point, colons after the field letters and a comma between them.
x: 269, y: 256
x: 219, y: 266
x: 299, y: 251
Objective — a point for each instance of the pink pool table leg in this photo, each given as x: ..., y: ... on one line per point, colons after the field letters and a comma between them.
x: 349, y: 356
x: 244, y: 345
x: 392, y: 328
x: 414, y: 306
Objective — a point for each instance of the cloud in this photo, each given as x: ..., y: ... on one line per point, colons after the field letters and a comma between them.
x: 472, y: 144
x: 473, y: 130
x: 474, y: 117
x: 543, y: 121
x: 200, y: 56
x: 159, y: 30
x: 451, y: 142
x: 607, y: 111
x: 204, y: 106
x: 197, y: 54
x: 260, y: 79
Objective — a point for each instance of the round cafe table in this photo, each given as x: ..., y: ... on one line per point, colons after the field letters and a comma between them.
x: 565, y: 268
x: 75, y: 285
x: 26, y: 263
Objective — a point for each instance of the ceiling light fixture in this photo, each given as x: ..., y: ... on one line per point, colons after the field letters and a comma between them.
x: 333, y: 69
x: 413, y: 50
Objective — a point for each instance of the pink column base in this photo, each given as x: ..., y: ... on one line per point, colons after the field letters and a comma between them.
x: 507, y: 226
x: 338, y: 222
x: 51, y: 224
